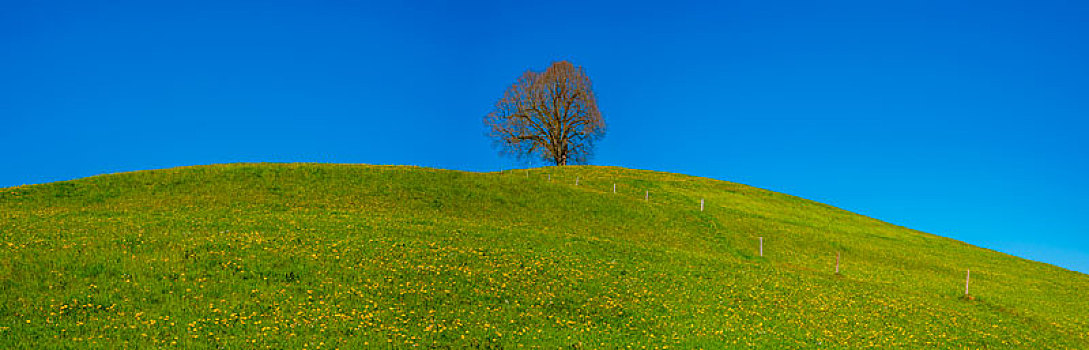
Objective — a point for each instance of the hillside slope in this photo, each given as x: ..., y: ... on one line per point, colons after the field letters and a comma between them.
x: 345, y: 256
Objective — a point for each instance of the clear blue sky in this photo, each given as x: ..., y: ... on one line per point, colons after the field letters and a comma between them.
x: 963, y: 119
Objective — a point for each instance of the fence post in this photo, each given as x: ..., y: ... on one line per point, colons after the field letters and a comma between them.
x: 837, y: 263
x: 576, y: 180
x: 647, y: 196
x: 614, y: 188
x: 967, y: 278
x: 701, y: 204
x: 761, y: 246
x: 549, y: 177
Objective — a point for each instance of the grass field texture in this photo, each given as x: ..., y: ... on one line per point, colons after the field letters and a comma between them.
x: 359, y: 256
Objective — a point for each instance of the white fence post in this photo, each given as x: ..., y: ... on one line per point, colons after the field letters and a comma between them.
x: 837, y: 263
x: 967, y: 278
x: 701, y: 204
x: 647, y: 196
x: 761, y: 246
x: 614, y: 188
x: 576, y: 180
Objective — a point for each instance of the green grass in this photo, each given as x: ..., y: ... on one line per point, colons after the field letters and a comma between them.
x: 351, y: 256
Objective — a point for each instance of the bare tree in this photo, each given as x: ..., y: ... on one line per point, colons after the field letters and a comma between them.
x: 552, y: 115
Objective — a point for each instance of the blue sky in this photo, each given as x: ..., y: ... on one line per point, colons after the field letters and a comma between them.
x: 963, y: 119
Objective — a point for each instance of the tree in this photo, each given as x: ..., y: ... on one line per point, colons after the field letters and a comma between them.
x: 552, y: 115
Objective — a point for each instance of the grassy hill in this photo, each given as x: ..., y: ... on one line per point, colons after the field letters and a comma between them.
x: 351, y: 256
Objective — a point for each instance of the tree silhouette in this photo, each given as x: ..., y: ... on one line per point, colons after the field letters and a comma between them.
x: 552, y: 115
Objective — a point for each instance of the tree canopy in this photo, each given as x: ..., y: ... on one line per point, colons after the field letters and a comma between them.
x: 551, y: 115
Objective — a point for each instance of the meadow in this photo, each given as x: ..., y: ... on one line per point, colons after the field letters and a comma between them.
x: 323, y: 256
